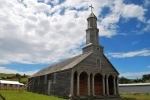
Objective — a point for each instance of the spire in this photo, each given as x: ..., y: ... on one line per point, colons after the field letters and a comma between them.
x: 92, y: 14
x: 91, y: 8
x: 92, y: 37
x: 92, y: 30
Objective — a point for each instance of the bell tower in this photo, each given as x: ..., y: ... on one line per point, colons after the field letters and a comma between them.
x: 92, y: 37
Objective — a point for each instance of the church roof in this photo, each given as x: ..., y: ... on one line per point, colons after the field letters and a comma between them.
x: 67, y: 64
x: 92, y: 15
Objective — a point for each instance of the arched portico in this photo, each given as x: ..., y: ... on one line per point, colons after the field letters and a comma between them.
x: 94, y: 84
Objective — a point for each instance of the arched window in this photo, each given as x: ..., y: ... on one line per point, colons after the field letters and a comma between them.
x: 98, y: 63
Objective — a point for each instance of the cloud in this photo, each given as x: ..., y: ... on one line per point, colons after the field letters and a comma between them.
x: 134, y: 42
x: 147, y: 28
x: 146, y: 3
x: 8, y: 71
x: 143, y: 52
x: 131, y: 11
x: 41, y: 32
x: 133, y: 75
x: 148, y: 67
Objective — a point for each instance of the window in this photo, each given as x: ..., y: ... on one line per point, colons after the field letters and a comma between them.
x: 98, y: 63
x: 98, y: 48
x: 54, y: 78
x: 45, y: 81
x: 39, y: 80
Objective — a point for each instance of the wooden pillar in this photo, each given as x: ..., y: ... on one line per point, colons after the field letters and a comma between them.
x: 88, y: 84
x: 107, y: 85
x: 93, y: 90
x: 114, y: 85
x: 117, y: 83
x: 103, y: 84
x: 72, y: 83
x: 78, y: 83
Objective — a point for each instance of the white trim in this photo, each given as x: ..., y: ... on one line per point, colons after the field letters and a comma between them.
x: 134, y: 84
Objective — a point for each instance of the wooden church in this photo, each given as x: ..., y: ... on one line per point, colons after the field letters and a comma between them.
x: 88, y: 75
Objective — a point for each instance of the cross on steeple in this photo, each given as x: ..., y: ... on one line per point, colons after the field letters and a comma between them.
x: 91, y: 8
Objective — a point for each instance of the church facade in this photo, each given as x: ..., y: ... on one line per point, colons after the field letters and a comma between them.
x: 88, y: 75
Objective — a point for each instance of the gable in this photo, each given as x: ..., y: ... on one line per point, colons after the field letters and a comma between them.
x: 91, y: 62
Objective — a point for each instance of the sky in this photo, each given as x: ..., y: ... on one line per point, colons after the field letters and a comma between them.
x: 35, y: 34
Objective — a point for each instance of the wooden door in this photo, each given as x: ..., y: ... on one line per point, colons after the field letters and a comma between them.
x: 83, y: 84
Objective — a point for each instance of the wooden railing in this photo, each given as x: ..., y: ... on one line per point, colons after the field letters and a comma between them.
x: 10, y: 88
x: 2, y: 97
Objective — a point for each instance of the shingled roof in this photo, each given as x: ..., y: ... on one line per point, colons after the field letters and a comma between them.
x: 67, y: 64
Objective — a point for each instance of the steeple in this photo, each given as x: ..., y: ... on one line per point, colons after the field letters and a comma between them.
x: 92, y: 37
x: 92, y: 30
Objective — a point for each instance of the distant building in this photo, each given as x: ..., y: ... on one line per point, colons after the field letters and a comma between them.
x: 134, y: 88
x: 88, y: 75
x: 4, y: 84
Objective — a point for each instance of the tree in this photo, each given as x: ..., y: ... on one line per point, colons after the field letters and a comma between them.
x: 18, y: 76
x: 123, y: 80
x: 146, y: 76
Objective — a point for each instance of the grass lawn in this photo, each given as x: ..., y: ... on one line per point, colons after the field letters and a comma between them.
x: 16, y: 95
x: 6, y: 75
x: 136, y: 96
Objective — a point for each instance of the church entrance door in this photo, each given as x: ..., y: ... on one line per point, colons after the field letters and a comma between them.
x: 75, y: 84
x: 98, y: 86
x: 83, y: 84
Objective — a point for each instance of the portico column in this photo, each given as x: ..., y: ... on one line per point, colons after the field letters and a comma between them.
x: 72, y: 83
x: 107, y: 85
x: 103, y: 84
x: 93, y: 90
x: 78, y: 85
x: 117, y: 87
x: 88, y: 84
x: 114, y: 85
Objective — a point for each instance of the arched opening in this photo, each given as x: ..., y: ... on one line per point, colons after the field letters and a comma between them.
x: 111, y: 85
x: 83, y: 84
x: 98, y: 84
x: 75, y: 84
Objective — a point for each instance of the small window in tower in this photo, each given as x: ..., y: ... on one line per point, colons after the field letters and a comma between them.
x: 98, y: 63
x: 91, y: 22
x: 98, y: 49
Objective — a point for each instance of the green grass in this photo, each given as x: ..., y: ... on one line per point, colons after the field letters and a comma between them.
x: 6, y: 75
x: 16, y: 95
x: 21, y: 80
x: 136, y: 96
